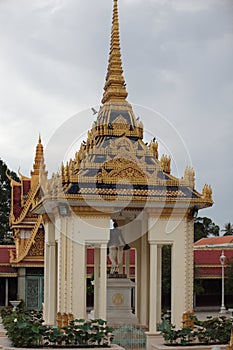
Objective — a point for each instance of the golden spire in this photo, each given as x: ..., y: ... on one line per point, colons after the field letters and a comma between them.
x: 38, y: 165
x: 114, y: 89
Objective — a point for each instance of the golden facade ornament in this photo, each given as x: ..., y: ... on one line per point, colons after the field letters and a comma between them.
x: 165, y: 163
x: 207, y: 193
x: 153, y: 147
x: 189, y: 176
x: 118, y: 299
x: 37, y: 247
x: 23, y: 246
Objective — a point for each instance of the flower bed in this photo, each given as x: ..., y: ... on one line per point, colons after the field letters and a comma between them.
x: 26, y: 329
x: 212, y: 331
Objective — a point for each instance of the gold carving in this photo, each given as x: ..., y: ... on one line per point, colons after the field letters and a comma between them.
x: 189, y: 176
x: 207, y: 193
x: 188, y: 320
x: 165, y: 163
x: 21, y: 254
x: 118, y: 299
x: 37, y: 248
x: 153, y: 147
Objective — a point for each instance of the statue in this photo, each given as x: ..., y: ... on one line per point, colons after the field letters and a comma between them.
x: 116, y: 246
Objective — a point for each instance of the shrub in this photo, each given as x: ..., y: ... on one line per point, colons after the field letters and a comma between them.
x: 26, y: 329
x: 215, y: 330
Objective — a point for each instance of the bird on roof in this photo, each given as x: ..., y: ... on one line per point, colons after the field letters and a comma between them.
x: 94, y: 110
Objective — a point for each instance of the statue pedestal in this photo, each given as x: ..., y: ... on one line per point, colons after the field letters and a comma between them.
x: 119, y: 309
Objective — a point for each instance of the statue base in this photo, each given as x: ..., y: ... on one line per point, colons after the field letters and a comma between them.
x: 119, y: 310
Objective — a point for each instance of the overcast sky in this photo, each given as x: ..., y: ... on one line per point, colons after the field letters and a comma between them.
x: 177, y: 58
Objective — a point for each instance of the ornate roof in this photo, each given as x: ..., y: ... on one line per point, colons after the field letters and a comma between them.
x: 28, y: 232
x: 114, y: 163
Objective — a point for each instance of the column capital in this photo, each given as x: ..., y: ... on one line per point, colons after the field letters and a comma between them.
x: 103, y: 245
x: 159, y: 243
x: 46, y: 218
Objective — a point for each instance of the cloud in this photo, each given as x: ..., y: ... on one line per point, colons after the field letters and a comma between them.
x: 177, y: 57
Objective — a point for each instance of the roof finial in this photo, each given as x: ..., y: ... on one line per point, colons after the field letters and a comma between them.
x: 115, y: 90
x: 38, y: 165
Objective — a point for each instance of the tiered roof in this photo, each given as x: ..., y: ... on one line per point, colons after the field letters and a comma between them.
x: 114, y: 165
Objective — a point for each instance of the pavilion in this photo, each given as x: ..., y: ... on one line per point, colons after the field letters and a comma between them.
x: 114, y: 176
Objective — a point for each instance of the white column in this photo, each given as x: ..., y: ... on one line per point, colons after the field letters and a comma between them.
x: 144, y: 292
x: 178, y: 289
x: 96, y: 281
x: 79, y: 280
x: 61, y: 239
x: 52, y: 306
x: 6, y: 291
x: 50, y: 290
x: 139, y: 287
x: 103, y: 281
x: 189, y: 264
x: 159, y: 282
x: 153, y: 288
x: 21, y: 283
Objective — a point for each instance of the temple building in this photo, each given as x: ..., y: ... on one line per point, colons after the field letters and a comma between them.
x: 27, y: 257
x: 208, y: 270
x: 114, y: 177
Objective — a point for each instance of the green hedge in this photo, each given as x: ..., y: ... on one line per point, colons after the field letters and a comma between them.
x: 26, y: 329
x: 214, y: 330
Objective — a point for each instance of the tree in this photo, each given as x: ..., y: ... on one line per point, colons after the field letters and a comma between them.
x: 228, y: 229
x: 204, y: 227
x: 5, y: 203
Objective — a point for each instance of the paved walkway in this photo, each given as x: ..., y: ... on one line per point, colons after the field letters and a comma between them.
x: 4, y: 341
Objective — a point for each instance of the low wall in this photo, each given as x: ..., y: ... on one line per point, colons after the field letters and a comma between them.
x: 156, y: 342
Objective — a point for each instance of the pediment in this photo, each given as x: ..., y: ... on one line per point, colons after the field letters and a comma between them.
x: 120, y: 120
x: 123, y: 170
x: 123, y: 144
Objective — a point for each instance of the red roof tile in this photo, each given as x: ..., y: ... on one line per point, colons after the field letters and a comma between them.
x: 214, y: 241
